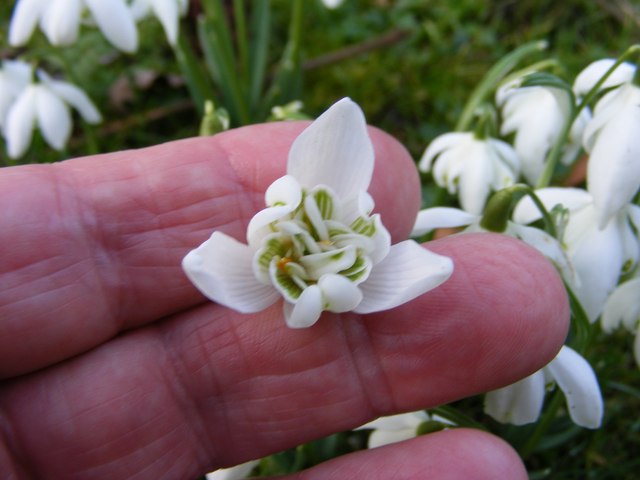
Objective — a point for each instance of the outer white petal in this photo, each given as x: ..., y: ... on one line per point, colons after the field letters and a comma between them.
x: 256, y: 230
x: 623, y: 306
x: 221, y: 268
x: 74, y: 96
x: 401, y: 421
x: 577, y: 380
x: 284, y: 191
x: 519, y: 403
x: 61, y: 21
x: 408, y: 271
x: 20, y: 122
x: 571, y: 198
x: 588, y: 77
x: 339, y: 293
x: 440, y: 144
x: 441, y: 217
x: 307, y: 309
x: 475, y: 180
x: 332, y: 3
x: 54, y: 118
x: 613, y: 173
x: 116, y: 23
x: 26, y: 15
x: 335, y: 150
x: 167, y: 12
x: 238, y: 472
x: 378, y: 438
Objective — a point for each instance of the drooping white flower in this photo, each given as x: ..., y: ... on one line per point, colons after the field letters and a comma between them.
x: 233, y: 473
x: 471, y: 166
x: 521, y: 402
x: 599, y: 256
x: 397, y: 428
x: 611, y: 138
x: 168, y: 12
x: 45, y: 104
x: 317, y: 244
x: 537, y: 115
x: 15, y: 76
x: 447, y: 217
x: 60, y: 21
x: 623, y: 308
x: 588, y: 77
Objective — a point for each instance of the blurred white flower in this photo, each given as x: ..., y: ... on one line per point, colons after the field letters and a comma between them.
x: 471, y: 166
x: 521, y: 402
x: 60, y: 21
x: 447, y: 217
x: 397, y: 428
x: 46, y: 104
x: 317, y: 244
x: 623, y: 308
x: 168, y: 12
x: 537, y: 115
x: 15, y: 76
x: 233, y: 473
x: 588, y: 77
x: 599, y: 256
x: 612, y: 139
x: 332, y: 3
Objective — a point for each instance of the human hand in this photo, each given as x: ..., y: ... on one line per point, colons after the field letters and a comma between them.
x: 114, y: 366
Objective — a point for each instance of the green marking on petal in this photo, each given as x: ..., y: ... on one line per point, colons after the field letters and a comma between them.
x: 324, y: 200
x: 286, y: 285
x: 358, y: 271
x: 364, y: 226
x: 273, y: 247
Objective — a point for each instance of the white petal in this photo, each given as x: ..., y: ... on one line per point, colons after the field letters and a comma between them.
x: 332, y: 261
x: 577, y: 380
x: 54, y: 118
x: 623, y: 306
x: 401, y: 421
x: 519, y: 403
x: 238, y: 472
x: 284, y: 191
x: 167, y: 12
x: 74, y: 96
x: 588, y: 77
x: 25, y: 17
x: 614, y: 165
x: 339, y: 293
x: 20, y: 122
x: 571, y: 198
x: 258, y: 225
x: 408, y: 271
x: 378, y: 438
x: 116, y: 23
x: 440, y: 144
x: 61, y: 21
x: 381, y: 241
x: 221, y: 268
x: 335, y: 150
x: 307, y: 309
x: 441, y: 217
x: 476, y: 179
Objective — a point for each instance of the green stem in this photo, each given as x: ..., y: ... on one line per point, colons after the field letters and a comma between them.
x: 198, y: 85
x: 241, y: 36
x: 492, y: 78
x: 556, y: 151
x: 543, y: 424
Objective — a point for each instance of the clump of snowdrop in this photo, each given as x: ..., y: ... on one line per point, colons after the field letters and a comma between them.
x: 317, y: 245
x: 521, y: 402
x: 471, y: 166
x: 45, y: 103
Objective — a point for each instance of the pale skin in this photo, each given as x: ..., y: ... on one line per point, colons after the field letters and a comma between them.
x: 115, y: 366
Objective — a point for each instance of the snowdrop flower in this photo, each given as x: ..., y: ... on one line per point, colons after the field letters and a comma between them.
x: 15, y: 76
x: 60, y: 21
x: 46, y: 104
x: 447, y: 217
x: 472, y: 166
x: 611, y: 138
x: 588, y: 77
x: 598, y: 255
x: 317, y: 244
x: 623, y: 307
x: 233, y: 473
x: 521, y: 402
x: 397, y: 428
x: 332, y: 3
x: 168, y: 13
x: 537, y: 115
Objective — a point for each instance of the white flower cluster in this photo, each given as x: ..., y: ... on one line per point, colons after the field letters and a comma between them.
x: 596, y: 243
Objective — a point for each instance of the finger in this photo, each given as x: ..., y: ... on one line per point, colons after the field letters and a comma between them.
x: 93, y: 246
x: 213, y: 388
x: 450, y: 454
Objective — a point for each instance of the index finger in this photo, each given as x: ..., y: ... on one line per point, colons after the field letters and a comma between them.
x: 93, y: 246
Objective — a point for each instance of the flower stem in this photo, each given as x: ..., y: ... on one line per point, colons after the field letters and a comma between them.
x: 492, y: 78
